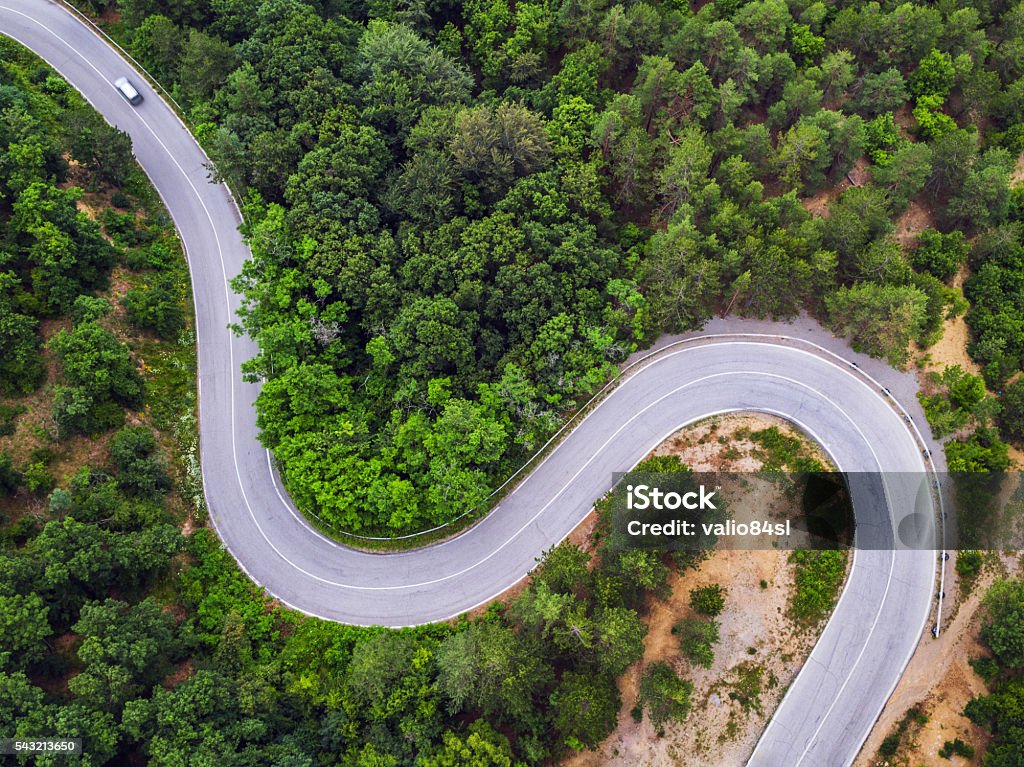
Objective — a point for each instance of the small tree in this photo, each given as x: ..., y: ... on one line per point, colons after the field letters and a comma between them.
x: 939, y: 254
x: 156, y: 306
x: 697, y: 637
x: 881, y: 319
x: 934, y: 76
x: 1004, y: 629
x: 1011, y: 419
x: 709, y: 600
x: 664, y: 694
x: 586, y: 708
x: 139, y: 471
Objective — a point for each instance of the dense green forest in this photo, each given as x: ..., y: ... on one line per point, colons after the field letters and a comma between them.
x: 463, y: 215
x: 123, y: 625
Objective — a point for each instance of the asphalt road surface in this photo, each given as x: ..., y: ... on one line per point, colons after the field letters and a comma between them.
x: 828, y: 710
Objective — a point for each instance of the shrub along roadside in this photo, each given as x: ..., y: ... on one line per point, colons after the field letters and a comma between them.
x: 818, y: 576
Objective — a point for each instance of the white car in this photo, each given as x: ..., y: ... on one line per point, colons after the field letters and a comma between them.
x: 128, y: 90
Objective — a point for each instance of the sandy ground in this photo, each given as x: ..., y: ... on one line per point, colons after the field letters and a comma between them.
x: 756, y: 631
x: 951, y: 349
x: 721, y: 444
x: 817, y: 204
x: 940, y: 681
x: 915, y: 219
x: 1017, y: 177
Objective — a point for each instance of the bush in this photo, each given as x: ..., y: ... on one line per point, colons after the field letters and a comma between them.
x: 986, y: 668
x: 1011, y: 418
x: 709, y: 600
x: 89, y: 309
x: 956, y: 747
x: 747, y: 687
x: 968, y: 563
x: 155, y: 256
x: 941, y: 255
x: 778, y: 450
x: 818, y: 577
x: 10, y: 478
x: 697, y: 637
x: 139, y: 471
x: 1003, y: 631
x: 665, y: 695
x: 122, y: 229
x: 120, y: 200
x: 961, y: 397
x: 75, y: 411
x: 890, y: 745
x: 8, y: 414
x: 21, y: 366
x: 980, y: 453
x: 21, y: 530
x: 156, y: 307
x: 38, y: 479
x: 967, y: 391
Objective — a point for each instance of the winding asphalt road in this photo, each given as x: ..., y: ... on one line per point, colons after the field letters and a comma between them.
x: 830, y: 707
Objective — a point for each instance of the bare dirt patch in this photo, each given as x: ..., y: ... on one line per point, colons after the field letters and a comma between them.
x: 723, y: 443
x: 757, y: 633
x: 915, y: 219
x: 1017, y: 177
x: 181, y: 672
x: 817, y: 205
x: 951, y: 349
x: 1017, y: 456
x: 904, y: 118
